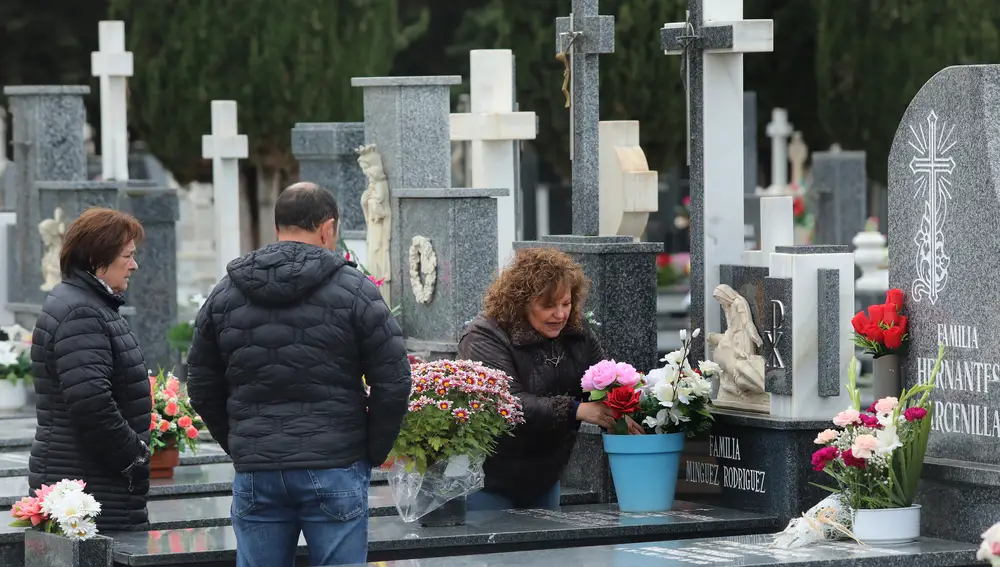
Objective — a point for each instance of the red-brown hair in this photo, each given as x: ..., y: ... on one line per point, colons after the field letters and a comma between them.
x: 536, y: 272
x: 96, y: 238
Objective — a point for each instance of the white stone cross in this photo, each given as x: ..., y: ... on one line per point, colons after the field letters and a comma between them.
x: 113, y: 65
x: 712, y: 42
x: 495, y: 131
x: 225, y: 148
x: 777, y: 228
x: 779, y: 129
x: 628, y: 189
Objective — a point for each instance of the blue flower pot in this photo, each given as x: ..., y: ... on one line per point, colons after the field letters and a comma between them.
x: 644, y: 468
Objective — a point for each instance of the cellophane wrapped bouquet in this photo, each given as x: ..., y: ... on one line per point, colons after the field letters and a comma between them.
x: 458, y: 410
x: 62, y: 508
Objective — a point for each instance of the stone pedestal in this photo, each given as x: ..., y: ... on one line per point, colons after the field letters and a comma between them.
x: 622, y: 291
x: 48, y: 146
x: 327, y: 157
x: 153, y: 288
x: 460, y: 224
x: 407, y: 118
x: 754, y: 463
x: 50, y: 550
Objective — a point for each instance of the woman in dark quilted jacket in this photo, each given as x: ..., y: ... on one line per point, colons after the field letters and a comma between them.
x: 92, y: 387
x: 532, y: 328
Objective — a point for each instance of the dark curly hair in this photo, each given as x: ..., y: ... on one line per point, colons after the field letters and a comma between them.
x: 536, y: 272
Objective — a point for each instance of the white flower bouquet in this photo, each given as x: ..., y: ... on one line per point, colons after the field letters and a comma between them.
x: 62, y: 508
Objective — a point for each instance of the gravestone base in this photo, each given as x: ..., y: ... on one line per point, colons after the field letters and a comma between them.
x: 754, y: 463
x: 622, y: 295
x: 968, y: 491
x: 588, y: 467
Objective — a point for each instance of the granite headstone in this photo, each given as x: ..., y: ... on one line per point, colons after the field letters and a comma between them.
x: 326, y: 155
x: 840, y: 187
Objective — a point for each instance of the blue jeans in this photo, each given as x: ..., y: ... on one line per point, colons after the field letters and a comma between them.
x: 329, y: 506
x: 483, y: 500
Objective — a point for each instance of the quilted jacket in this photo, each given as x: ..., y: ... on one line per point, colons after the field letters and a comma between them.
x: 276, y: 362
x: 546, y: 377
x: 93, y: 401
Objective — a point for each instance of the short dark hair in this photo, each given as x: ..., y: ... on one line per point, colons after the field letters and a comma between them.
x: 96, y: 238
x: 304, y: 206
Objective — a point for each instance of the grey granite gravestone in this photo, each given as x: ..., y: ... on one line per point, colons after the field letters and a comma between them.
x: 944, y: 202
x: 840, y: 187
x: 326, y: 155
x: 153, y: 287
x: 622, y: 292
x: 585, y: 35
x: 460, y: 224
x: 750, y: 143
x: 407, y: 119
x: 48, y: 146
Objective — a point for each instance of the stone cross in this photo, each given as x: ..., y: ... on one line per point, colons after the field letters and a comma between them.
x: 779, y: 129
x: 840, y: 186
x: 712, y: 42
x: 798, y: 153
x: 582, y: 37
x: 495, y: 131
x: 225, y: 148
x: 113, y: 65
x: 629, y: 190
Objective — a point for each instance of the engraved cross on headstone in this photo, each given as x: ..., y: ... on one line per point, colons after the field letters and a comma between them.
x: 584, y: 35
x: 712, y: 42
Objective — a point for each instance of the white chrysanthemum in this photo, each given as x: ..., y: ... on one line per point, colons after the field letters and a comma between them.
x: 74, y: 505
x: 78, y: 529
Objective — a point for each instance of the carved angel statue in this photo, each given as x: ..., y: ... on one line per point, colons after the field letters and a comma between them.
x: 378, y: 215
x: 52, y: 230
x: 736, y: 350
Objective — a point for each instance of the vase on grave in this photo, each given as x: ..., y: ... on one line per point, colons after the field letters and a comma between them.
x: 13, y: 393
x: 43, y: 549
x: 644, y: 469
x: 164, y: 460
x: 886, y: 377
x: 451, y: 513
x: 888, y: 526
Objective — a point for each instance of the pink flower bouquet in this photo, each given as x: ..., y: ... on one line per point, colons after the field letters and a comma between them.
x: 62, y: 508
x: 876, y: 455
x: 173, y: 421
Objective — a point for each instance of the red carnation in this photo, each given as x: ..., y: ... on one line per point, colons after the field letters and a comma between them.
x: 622, y: 400
x: 895, y: 297
x: 852, y: 461
x: 686, y: 200
x: 823, y: 456
x: 662, y: 260
x: 871, y: 408
x: 798, y: 206
x: 870, y: 421
x: 893, y: 337
x: 915, y: 414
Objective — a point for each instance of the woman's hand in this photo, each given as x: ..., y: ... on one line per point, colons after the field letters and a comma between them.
x: 596, y: 413
x: 633, y: 427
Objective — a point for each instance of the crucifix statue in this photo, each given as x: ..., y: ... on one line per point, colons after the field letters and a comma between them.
x: 711, y: 43
x: 580, y: 39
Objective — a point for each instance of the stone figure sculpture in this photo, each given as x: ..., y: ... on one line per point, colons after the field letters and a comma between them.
x: 378, y: 215
x: 52, y: 230
x: 741, y: 384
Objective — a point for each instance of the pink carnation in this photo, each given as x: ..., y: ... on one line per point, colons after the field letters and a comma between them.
x: 864, y: 446
x: 886, y: 405
x: 600, y: 376
x: 914, y: 414
x: 847, y: 417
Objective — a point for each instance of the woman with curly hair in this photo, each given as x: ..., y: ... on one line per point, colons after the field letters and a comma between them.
x: 532, y: 328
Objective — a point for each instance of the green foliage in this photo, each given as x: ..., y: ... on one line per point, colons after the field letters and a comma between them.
x: 179, y: 336
x: 281, y: 65
x: 456, y: 408
x: 21, y: 370
x: 873, y: 57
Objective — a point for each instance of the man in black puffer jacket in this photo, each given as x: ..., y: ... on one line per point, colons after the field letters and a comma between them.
x: 275, y: 370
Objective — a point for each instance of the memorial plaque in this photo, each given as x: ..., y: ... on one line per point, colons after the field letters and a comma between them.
x: 944, y: 202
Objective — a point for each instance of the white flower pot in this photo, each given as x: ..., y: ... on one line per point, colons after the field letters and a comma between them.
x: 13, y: 395
x: 890, y: 526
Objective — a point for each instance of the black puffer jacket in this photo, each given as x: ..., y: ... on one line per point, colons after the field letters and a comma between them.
x: 546, y: 377
x: 93, y: 401
x: 279, y: 350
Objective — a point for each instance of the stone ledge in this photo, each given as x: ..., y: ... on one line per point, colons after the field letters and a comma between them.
x: 965, y: 472
x: 429, y: 81
x: 593, y: 245
x: 453, y: 193
x: 29, y: 90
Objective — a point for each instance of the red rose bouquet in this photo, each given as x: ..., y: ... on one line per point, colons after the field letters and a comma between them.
x: 883, y: 329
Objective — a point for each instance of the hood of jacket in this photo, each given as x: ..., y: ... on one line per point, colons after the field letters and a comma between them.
x: 284, y: 273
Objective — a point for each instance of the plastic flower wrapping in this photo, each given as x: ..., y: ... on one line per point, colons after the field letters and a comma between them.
x: 458, y: 411
x: 875, y: 455
x: 672, y: 399
x: 62, y: 508
x: 173, y: 420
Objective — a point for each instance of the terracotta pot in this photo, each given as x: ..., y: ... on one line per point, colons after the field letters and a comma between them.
x: 163, y: 461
